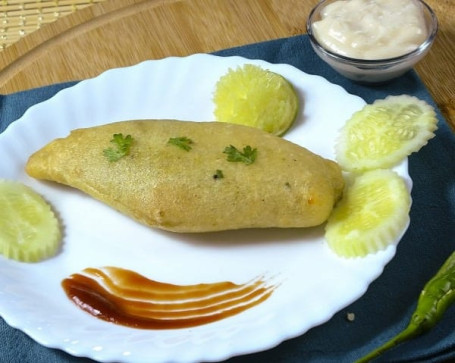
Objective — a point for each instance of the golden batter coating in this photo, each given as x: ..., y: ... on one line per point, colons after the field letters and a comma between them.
x: 162, y: 185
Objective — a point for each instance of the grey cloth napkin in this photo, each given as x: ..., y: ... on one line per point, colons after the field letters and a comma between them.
x: 390, y: 300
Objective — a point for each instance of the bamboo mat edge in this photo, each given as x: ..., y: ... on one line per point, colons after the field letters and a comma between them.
x: 19, y: 18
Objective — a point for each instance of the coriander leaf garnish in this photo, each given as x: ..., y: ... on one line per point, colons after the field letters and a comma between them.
x: 248, y: 156
x: 218, y: 174
x: 121, y: 147
x: 182, y: 142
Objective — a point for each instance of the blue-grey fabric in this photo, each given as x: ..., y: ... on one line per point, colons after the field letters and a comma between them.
x: 390, y: 300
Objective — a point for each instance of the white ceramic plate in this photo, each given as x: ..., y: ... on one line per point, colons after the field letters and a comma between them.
x: 314, y: 283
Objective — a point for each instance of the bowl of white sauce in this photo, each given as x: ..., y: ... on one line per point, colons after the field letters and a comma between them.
x: 372, y: 41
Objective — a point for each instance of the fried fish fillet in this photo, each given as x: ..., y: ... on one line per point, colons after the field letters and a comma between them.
x: 162, y: 185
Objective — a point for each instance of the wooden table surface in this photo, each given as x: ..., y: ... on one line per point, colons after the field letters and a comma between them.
x: 116, y: 33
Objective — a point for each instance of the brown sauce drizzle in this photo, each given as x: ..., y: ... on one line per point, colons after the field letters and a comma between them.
x: 127, y: 298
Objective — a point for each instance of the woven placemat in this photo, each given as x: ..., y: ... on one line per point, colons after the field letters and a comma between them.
x: 19, y: 18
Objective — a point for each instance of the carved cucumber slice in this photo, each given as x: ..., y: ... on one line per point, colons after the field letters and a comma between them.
x: 256, y: 97
x: 385, y: 132
x: 372, y: 214
x: 29, y: 230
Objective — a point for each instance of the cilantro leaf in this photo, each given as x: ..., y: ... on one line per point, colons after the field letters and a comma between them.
x: 248, y: 156
x: 120, y: 149
x: 218, y: 174
x: 182, y: 142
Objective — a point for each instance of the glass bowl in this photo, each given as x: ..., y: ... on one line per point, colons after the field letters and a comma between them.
x: 377, y: 70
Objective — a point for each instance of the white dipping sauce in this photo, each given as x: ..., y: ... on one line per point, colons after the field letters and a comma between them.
x: 371, y: 29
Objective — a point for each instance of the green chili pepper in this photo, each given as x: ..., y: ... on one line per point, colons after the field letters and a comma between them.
x: 437, y: 295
